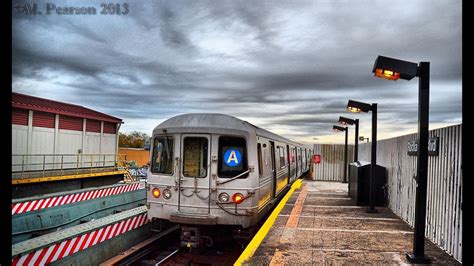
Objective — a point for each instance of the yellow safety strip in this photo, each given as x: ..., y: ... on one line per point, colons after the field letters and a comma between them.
x: 63, y: 177
x: 258, y: 238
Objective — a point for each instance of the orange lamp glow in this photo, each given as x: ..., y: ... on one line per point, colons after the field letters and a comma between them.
x: 156, y: 192
x: 387, y: 74
x: 237, y: 198
x: 353, y: 109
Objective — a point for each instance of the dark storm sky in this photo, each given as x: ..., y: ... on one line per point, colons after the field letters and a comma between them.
x: 286, y: 66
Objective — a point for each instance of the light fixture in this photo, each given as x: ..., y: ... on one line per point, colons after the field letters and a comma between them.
x: 365, y: 107
x: 357, y: 107
x: 156, y: 192
x: 237, y: 198
x: 167, y: 193
x: 392, y: 69
x: 348, y: 121
x: 224, y: 197
x: 338, y: 129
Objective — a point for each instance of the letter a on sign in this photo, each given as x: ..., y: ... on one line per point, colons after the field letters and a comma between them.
x: 232, y: 157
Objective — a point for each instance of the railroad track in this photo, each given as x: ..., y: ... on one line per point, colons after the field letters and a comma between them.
x: 153, y: 251
x: 164, y: 249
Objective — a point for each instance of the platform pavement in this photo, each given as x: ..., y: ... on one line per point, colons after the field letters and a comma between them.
x: 320, y: 224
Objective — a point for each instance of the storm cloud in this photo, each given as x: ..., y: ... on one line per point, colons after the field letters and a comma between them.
x: 286, y: 66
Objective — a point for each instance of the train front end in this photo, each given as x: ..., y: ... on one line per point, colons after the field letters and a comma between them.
x: 202, y: 178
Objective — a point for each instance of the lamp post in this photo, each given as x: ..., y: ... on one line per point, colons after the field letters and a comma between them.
x: 338, y: 128
x: 393, y: 69
x: 357, y: 107
x: 362, y: 138
x: 348, y: 121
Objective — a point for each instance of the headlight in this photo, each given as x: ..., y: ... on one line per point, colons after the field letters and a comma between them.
x: 166, y: 193
x: 156, y: 192
x: 223, y: 197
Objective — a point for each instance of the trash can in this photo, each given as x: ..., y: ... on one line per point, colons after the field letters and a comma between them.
x: 359, y: 183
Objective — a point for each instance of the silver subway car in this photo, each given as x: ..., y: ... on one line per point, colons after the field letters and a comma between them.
x: 213, y: 169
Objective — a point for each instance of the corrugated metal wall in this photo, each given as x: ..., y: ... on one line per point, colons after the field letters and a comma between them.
x: 109, y: 146
x: 19, y: 117
x: 444, y: 215
x: 110, y: 128
x: 20, y: 145
x: 45, y: 137
x: 93, y: 126
x: 331, y: 167
x: 70, y: 123
x: 42, y: 119
x: 42, y: 142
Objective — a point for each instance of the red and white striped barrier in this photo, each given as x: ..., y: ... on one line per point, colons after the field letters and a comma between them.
x: 70, y: 246
x: 44, y: 203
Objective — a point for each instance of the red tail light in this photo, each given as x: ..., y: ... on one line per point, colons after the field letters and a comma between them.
x: 237, y: 198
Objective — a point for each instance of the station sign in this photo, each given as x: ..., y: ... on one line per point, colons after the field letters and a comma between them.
x: 433, y: 147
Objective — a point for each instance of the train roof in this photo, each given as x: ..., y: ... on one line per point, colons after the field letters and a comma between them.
x: 218, y: 121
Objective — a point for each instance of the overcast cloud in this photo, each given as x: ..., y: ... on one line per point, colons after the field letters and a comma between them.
x: 286, y: 66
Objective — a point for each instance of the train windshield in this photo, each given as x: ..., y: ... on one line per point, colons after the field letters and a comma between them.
x: 162, y: 161
x: 195, y: 157
x: 232, y: 157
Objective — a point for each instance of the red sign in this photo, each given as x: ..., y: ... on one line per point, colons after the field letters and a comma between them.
x: 317, y: 158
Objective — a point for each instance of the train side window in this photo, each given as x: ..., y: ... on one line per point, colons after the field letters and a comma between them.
x: 162, y: 160
x: 305, y: 157
x: 282, y: 157
x: 195, y: 151
x: 260, y: 164
x: 232, y: 157
x: 292, y: 156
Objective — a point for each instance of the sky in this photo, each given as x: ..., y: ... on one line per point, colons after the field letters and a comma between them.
x: 286, y: 66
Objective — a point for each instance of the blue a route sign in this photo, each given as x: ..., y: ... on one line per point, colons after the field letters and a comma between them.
x: 232, y: 157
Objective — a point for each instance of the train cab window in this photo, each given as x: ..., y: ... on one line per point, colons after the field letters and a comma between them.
x: 260, y: 163
x: 162, y: 161
x: 195, y: 150
x: 232, y: 157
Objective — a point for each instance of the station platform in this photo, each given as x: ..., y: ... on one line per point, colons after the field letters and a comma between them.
x: 320, y: 224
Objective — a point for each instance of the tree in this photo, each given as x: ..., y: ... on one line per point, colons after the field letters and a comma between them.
x: 135, y: 139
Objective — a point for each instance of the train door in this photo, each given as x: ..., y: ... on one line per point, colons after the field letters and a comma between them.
x: 292, y: 164
x: 288, y: 156
x: 305, y: 164
x: 272, y: 152
x: 194, y: 181
x: 296, y: 162
x: 300, y: 170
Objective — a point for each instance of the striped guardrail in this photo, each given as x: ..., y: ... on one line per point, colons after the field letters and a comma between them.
x: 58, y: 245
x: 59, y: 199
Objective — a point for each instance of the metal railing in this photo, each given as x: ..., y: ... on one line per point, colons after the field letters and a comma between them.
x: 32, y: 164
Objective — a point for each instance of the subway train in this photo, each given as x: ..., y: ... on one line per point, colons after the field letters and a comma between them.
x: 214, y: 174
